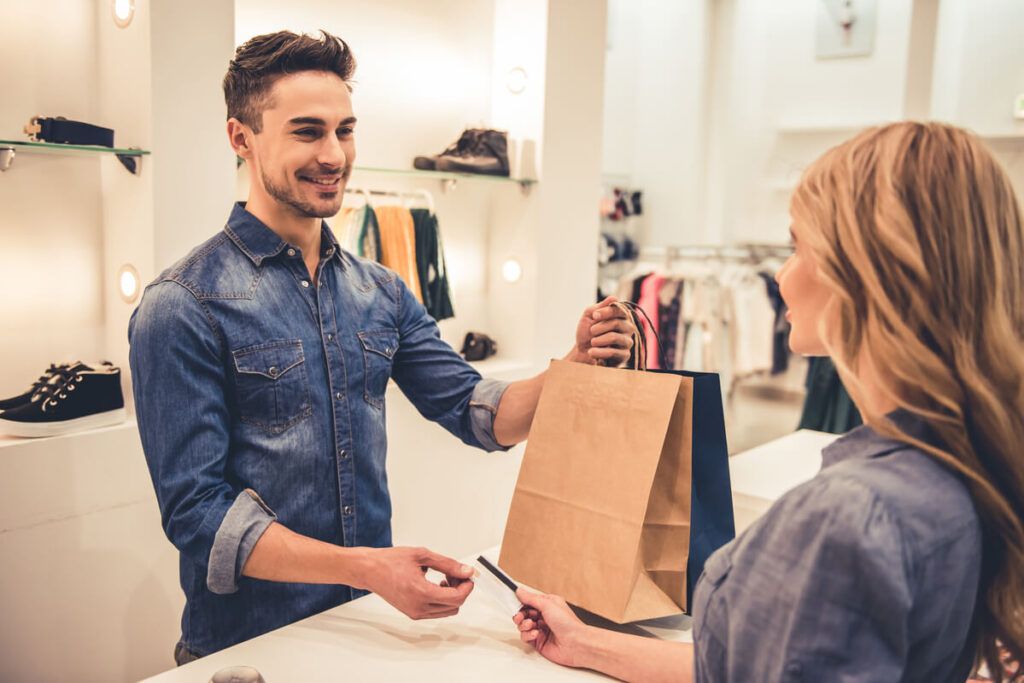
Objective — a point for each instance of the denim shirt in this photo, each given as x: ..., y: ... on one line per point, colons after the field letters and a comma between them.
x: 260, y: 396
x: 868, y: 572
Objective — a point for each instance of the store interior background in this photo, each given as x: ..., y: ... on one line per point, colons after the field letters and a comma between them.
x: 711, y: 107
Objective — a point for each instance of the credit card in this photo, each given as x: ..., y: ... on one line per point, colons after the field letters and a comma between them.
x: 497, y: 585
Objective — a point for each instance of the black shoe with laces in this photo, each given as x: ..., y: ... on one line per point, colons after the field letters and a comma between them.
x: 22, y: 399
x: 76, y: 397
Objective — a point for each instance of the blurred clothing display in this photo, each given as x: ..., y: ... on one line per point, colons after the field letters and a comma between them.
x: 408, y: 241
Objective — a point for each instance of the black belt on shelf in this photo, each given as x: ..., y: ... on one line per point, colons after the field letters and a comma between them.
x: 60, y: 129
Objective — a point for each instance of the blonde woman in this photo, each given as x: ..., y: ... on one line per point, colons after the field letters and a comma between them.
x: 903, y: 560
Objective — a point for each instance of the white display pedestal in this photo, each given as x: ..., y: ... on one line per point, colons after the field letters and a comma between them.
x: 89, y: 585
x: 761, y: 475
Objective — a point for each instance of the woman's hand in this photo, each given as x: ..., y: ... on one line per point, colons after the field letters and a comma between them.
x: 547, y: 623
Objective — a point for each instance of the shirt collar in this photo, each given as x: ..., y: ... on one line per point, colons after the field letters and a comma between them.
x: 258, y: 242
x: 329, y: 245
x: 864, y: 442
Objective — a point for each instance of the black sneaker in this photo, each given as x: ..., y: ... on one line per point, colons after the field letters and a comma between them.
x: 77, y: 397
x: 489, y: 156
x: 51, y: 374
x: 22, y: 399
x: 461, y: 147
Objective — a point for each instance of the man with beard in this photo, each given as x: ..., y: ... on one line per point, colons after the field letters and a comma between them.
x: 260, y: 363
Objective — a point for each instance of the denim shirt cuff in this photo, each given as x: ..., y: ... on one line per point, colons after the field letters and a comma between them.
x: 243, y: 525
x: 483, y: 406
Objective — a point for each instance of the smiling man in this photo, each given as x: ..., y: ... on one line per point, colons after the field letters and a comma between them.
x: 260, y: 363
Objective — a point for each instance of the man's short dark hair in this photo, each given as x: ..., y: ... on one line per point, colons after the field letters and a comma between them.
x: 260, y: 61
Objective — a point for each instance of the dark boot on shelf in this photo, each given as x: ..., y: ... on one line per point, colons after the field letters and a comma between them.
x: 461, y: 147
x: 489, y: 156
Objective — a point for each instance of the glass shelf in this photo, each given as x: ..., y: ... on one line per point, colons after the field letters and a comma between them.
x: 129, y: 158
x: 443, y: 175
x: 61, y: 148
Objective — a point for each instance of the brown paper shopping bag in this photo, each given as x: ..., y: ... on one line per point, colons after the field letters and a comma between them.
x: 601, y: 513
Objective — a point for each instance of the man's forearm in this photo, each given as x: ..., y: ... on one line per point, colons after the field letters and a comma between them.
x: 515, y: 412
x: 634, y: 658
x: 519, y: 404
x: 283, y: 555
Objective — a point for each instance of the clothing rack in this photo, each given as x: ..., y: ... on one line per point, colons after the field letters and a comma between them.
x: 744, y: 251
x: 400, y: 194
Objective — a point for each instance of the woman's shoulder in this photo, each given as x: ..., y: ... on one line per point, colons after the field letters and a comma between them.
x: 875, y: 501
x: 927, y: 501
x: 880, y: 549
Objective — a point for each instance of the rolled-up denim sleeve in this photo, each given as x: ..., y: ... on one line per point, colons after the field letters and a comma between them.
x: 245, y: 521
x: 443, y: 387
x: 178, y: 380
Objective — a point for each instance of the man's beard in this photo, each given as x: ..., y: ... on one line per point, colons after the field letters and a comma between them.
x: 304, y: 209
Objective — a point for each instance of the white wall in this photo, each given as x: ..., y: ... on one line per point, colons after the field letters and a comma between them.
x: 88, y: 584
x: 125, y: 103
x: 567, y: 229
x: 654, y: 111
x: 774, y: 107
x: 979, y: 68
x: 50, y: 223
x: 766, y: 79
x: 193, y: 166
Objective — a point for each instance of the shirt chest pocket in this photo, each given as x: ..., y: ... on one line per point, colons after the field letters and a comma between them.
x: 273, y: 392
x: 379, y: 348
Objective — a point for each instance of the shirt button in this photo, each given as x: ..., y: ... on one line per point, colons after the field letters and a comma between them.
x: 344, y: 455
x: 330, y: 336
x: 339, y: 395
x: 291, y: 252
x: 272, y: 371
x: 305, y: 283
x: 330, y: 251
x: 347, y: 510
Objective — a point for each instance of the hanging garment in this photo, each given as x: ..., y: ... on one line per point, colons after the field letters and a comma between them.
x: 709, y: 320
x: 358, y: 232
x: 369, y: 236
x: 693, y: 355
x: 431, y: 266
x: 669, y: 306
x: 346, y: 227
x: 828, y: 407
x: 398, y: 240
x: 634, y: 294
x: 753, y: 327
x: 649, y: 302
x: 780, y: 338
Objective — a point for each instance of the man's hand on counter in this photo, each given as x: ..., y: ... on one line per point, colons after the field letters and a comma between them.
x: 396, y: 574
x: 399, y: 576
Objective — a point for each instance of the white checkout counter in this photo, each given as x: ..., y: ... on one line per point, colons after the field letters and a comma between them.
x: 368, y: 640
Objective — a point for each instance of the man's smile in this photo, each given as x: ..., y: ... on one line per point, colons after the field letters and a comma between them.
x: 330, y: 182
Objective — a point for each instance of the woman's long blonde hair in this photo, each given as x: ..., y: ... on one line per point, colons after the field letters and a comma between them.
x: 916, y: 231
